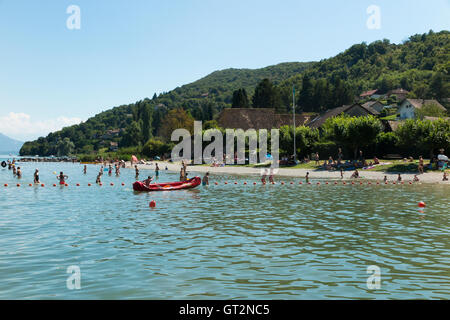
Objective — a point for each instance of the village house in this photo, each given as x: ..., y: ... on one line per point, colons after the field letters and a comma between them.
x: 113, y: 146
x: 400, y: 93
x: 354, y: 110
x: 376, y: 105
x: 372, y: 94
x: 258, y: 118
x: 407, y: 108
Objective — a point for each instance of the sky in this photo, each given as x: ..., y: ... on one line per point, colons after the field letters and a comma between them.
x: 52, y: 76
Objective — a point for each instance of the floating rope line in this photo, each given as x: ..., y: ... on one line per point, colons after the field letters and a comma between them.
x: 300, y: 183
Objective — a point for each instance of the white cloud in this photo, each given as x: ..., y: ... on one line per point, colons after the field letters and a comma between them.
x: 22, y: 127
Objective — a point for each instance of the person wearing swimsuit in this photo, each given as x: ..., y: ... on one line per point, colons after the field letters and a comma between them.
x: 62, y: 178
x: 36, y: 176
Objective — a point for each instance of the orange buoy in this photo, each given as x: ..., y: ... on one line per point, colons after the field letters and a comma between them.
x: 78, y: 184
x: 54, y: 184
x: 100, y: 184
x: 282, y: 182
x: 66, y: 185
x: 292, y: 182
x: 344, y: 183
x: 18, y: 184
x: 410, y: 182
x: 300, y: 182
x: 216, y: 183
x: 42, y: 185
x: 318, y: 183
x: 309, y: 182
x: 123, y: 184
x: 353, y: 182
x: 226, y: 182
x: 6, y: 184
x: 112, y: 183
x: 335, y: 182
x: 89, y: 184
x: 30, y: 185
x: 360, y: 183
x: 254, y: 183
x: 235, y: 182
x: 152, y: 204
x: 422, y: 204
x: 245, y: 182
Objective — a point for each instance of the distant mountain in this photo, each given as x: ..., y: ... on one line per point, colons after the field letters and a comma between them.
x: 8, y: 145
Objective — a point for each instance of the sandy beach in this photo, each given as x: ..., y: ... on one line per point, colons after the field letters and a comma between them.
x: 430, y: 177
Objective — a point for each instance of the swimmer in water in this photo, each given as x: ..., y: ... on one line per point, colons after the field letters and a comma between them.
x: 85, y: 169
x: 62, y: 178
x: 307, y: 177
x: 98, y: 180
x: 385, y: 179
x: 416, y: 179
x: 36, y: 176
x: 110, y: 170
x: 205, y: 181
x: 399, y: 179
x: 19, y: 173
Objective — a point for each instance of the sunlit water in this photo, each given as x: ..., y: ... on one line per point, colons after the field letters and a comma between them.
x: 219, y: 242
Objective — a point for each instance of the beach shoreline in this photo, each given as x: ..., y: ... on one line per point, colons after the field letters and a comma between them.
x: 429, y: 177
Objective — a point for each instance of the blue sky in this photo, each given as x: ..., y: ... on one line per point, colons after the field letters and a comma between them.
x: 51, y: 76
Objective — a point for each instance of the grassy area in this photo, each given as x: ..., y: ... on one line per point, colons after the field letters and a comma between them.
x: 392, y: 117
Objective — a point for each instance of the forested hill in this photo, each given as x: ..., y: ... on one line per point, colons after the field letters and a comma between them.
x: 420, y: 65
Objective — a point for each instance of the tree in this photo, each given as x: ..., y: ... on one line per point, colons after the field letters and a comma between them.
x: 439, y: 86
x: 65, y: 147
x: 133, y: 136
x: 306, y: 97
x: 240, y: 99
x: 430, y: 110
x: 267, y: 96
x: 176, y: 119
x: 353, y: 132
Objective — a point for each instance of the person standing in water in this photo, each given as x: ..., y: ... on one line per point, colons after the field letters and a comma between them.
x: 85, y: 169
x: 36, y: 176
x: 137, y: 171
x: 399, y: 178
x: 205, y: 181
x: 307, y: 177
x: 19, y: 173
x: 62, y: 178
x: 156, y: 171
x: 98, y: 180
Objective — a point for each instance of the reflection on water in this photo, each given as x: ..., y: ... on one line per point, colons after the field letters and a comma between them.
x: 223, y: 242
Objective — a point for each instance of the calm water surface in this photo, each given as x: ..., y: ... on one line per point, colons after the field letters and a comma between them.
x: 219, y: 242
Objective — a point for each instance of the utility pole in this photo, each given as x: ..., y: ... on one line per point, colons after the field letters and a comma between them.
x: 293, y: 113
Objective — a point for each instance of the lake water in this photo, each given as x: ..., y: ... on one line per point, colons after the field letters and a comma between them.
x: 220, y: 242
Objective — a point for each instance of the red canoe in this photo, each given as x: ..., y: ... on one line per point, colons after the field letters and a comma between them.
x: 169, y: 186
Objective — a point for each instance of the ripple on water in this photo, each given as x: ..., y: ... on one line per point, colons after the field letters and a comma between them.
x: 220, y: 242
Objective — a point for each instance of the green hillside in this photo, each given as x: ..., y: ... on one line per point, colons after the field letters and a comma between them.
x: 420, y: 65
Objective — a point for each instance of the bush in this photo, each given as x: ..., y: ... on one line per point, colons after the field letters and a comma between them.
x: 155, y: 147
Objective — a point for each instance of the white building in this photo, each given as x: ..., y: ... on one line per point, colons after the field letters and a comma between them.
x: 408, y: 107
